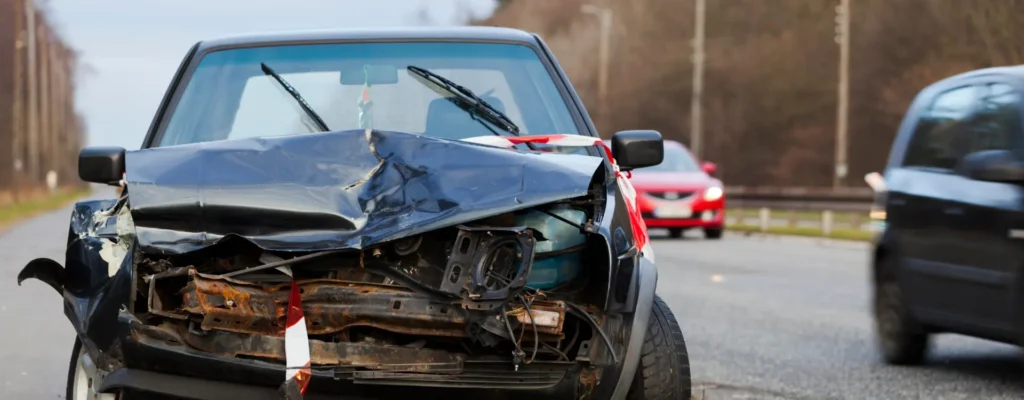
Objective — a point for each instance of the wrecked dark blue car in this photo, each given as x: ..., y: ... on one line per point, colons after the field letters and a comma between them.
x: 354, y: 214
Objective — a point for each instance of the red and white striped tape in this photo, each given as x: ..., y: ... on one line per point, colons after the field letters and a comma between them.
x: 296, y: 342
x: 628, y: 192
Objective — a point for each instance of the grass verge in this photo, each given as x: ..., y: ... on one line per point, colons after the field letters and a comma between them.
x: 844, y: 234
x: 13, y: 213
x: 838, y: 216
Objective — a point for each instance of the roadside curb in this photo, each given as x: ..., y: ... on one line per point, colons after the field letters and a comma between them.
x: 712, y: 391
x: 820, y: 240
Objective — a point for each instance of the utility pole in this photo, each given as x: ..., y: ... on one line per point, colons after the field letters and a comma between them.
x: 43, y: 153
x: 18, y: 125
x: 32, y: 133
x: 605, y: 16
x: 698, y: 79
x: 842, y: 111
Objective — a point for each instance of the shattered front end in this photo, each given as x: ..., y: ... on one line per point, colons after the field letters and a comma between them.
x: 459, y: 267
x: 450, y: 308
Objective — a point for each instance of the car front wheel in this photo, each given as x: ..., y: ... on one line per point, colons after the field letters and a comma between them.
x: 664, y: 370
x: 713, y: 233
x: 81, y: 382
x: 901, y: 339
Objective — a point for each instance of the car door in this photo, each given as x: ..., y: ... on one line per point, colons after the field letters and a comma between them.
x: 990, y: 216
x: 917, y: 205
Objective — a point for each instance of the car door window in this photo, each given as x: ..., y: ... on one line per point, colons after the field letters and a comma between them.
x: 996, y: 124
x: 934, y: 142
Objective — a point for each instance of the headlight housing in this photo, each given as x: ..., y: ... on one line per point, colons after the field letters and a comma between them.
x: 713, y: 193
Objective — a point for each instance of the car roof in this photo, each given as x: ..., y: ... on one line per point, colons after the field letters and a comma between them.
x: 673, y: 143
x: 1015, y: 71
x: 461, y: 33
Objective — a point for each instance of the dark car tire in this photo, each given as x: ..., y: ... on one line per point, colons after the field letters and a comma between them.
x: 675, y: 233
x: 664, y: 369
x: 900, y: 338
x: 75, y: 351
x: 713, y: 233
x: 70, y: 392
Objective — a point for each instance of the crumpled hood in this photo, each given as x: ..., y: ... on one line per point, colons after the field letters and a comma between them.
x: 335, y: 190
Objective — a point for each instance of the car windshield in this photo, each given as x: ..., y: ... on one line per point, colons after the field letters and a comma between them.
x: 677, y: 159
x: 235, y: 93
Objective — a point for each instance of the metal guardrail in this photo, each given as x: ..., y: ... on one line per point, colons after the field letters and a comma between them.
x: 852, y: 199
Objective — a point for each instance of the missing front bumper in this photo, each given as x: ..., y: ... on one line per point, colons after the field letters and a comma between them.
x: 330, y: 306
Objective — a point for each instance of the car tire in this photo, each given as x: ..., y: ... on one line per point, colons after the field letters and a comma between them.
x: 713, y: 233
x: 78, y: 387
x: 900, y: 338
x: 675, y: 233
x: 664, y: 369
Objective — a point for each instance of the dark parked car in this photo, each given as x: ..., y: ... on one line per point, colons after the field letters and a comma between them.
x: 950, y: 254
x: 349, y: 214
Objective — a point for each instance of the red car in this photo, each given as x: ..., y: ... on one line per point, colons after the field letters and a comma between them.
x: 680, y: 194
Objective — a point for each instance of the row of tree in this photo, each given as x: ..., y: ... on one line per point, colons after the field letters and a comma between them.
x: 771, y: 71
x: 41, y: 131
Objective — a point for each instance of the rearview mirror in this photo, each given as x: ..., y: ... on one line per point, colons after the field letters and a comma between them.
x: 993, y: 166
x: 369, y: 74
x: 709, y: 167
x: 101, y: 165
x: 637, y: 149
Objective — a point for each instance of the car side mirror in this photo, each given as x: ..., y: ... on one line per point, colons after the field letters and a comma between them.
x: 709, y: 167
x: 637, y: 149
x: 101, y: 165
x: 993, y: 166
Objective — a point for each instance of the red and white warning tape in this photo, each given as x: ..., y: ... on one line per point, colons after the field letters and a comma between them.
x: 296, y: 342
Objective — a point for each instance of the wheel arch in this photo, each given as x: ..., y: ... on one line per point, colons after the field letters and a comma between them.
x: 884, y: 249
x: 879, y: 269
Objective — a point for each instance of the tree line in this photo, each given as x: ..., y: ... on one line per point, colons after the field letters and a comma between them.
x: 771, y: 70
x: 41, y: 131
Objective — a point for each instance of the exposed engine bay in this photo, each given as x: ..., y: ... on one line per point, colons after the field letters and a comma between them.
x: 510, y: 291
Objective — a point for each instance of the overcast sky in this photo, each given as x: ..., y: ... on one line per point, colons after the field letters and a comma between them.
x: 132, y: 47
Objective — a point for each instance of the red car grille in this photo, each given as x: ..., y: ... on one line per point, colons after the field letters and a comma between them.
x: 669, y: 195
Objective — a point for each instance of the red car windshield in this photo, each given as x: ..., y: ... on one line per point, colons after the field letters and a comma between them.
x: 677, y: 159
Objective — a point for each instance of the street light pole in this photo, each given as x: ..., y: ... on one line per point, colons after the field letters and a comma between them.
x: 842, y: 111
x: 604, y: 15
x: 32, y: 133
x: 698, y: 80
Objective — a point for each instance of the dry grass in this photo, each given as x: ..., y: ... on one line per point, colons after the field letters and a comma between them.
x: 16, y: 212
x: 837, y: 217
x: 843, y: 234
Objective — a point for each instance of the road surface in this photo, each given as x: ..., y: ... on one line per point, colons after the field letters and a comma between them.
x: 764, y: 318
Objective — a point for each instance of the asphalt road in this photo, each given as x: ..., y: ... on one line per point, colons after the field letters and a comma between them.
x: 787, y: 318
x: 764, y: 318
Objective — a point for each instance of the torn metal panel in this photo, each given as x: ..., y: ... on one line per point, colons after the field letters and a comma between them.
x: 335, y: 190
x: 114, y: 250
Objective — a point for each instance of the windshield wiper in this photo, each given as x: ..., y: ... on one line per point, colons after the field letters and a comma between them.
x: 473, y: 103
x: 319, y: 122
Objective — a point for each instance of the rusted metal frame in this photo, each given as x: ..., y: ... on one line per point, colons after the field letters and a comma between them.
x: 156, y: 300
x: 339, y: 354
x: 330, y: 306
